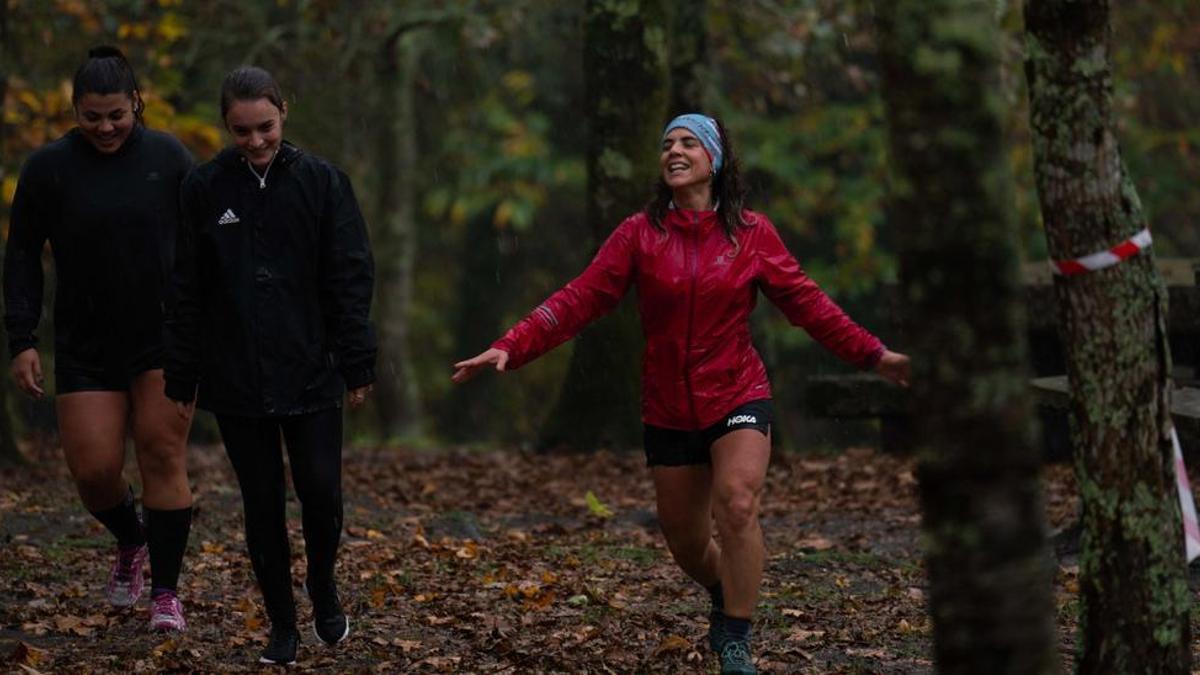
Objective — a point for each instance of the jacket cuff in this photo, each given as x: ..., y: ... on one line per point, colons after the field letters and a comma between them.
x: 18, y: 345
x: 873, y: 359
x: 508, y: 346
x: 180, y: 390
x: 357, y: 378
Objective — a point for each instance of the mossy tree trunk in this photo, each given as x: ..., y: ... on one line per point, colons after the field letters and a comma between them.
x: 397, y: 398
x: 625, y: 63
x: 1133, y: 591
x: 951, y: 203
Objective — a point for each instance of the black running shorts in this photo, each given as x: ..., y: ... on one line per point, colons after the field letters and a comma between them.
x: 672, y: 447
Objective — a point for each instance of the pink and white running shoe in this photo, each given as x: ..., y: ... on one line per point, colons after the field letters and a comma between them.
x: 166, y: 612
x: 126, y: 579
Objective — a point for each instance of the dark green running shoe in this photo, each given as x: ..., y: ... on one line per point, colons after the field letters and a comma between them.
x: 735, y: 658
x: 716, y: 630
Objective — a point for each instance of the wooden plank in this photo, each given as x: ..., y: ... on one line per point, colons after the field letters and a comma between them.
x: 854, y: 395
x: 1052, y: 392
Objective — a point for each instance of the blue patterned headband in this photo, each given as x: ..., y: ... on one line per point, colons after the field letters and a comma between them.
x: 705, y: 129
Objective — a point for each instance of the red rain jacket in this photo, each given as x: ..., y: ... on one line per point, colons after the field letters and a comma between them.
x: 695, y: 293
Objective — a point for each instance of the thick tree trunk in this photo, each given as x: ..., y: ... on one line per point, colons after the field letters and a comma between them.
x: 1133, y: 592
x: 989, y: 567
x: 625, y: 63
x: 689, y: 54
x: 395, y: 240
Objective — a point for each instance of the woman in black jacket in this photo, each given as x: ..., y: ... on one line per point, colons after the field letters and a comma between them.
x: 105, y: 196
x: 268, y: 327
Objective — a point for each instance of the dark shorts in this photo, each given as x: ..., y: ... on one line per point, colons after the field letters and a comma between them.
x: 69, y: 379
x: 672, y: 447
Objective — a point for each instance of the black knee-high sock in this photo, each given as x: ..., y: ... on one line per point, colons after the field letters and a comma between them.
x: 122, y: 520
x: 167, y: 534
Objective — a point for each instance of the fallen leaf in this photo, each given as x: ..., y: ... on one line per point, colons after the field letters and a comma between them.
x: 801, y: 635
x: 597, y: 507
x: 26, y: 654
x: 673, y: 643
x: 406, y: 646
x: 815, y: 543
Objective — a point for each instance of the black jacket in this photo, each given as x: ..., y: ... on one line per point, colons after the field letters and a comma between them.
x: 111, y: 221
x: 272, y: 288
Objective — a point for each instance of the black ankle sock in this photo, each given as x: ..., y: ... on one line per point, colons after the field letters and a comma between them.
x: 167, y: 534
x: 718, y: 598
x: 737, y: 628
x: 122, y: 521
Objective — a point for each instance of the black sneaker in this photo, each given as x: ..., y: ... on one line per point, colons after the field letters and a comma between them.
x: 329, y: 620
x: 281, y: 647
x: 735, y: 658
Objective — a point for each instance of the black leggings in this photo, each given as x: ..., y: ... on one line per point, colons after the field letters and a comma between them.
x: 314, y: 445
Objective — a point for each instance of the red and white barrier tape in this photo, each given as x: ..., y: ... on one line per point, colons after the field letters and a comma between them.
x: 1098, y: 261
x: 1191, y: 528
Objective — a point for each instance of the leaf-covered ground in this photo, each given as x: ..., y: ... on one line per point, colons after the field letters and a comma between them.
x: 495, y: 562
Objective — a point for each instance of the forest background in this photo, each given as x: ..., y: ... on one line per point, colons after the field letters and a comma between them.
x: 463, y: 125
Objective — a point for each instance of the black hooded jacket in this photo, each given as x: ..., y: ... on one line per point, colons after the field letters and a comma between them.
x: 272, y: 288
x: 111, y: 221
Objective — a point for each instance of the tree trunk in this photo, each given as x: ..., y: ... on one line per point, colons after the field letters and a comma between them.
x: 1133, y: 591
x: 468, y: 410
x: 8, y: 445
x: 625, y: 63
x: 689, y: 54
x: 989, y: 568
x: 396, y: 396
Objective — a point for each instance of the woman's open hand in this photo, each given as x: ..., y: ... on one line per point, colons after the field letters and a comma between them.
x: 27, y: 371
x: 470, y: 368
x: 895, y: 367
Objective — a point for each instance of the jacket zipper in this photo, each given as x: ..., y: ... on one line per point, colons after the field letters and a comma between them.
x: 687, y: 345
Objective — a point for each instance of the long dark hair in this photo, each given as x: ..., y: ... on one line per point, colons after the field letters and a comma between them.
x: 249, y: 83
x: 107, y: 71
x: 727, y: 190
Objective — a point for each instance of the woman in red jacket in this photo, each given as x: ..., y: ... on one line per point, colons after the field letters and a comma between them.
x: 698, y: 259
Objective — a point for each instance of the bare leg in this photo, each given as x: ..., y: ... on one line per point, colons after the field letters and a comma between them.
x: 92, y: 427
x: 739, y: 468
x: 160, y: 436
x: 684, y: 497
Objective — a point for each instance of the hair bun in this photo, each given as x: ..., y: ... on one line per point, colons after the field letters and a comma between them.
x: 105, y: 52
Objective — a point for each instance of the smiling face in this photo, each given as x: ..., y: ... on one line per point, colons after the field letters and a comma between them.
x: 257, y: 129
x: 105, y: 120
x: 684, y: 161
